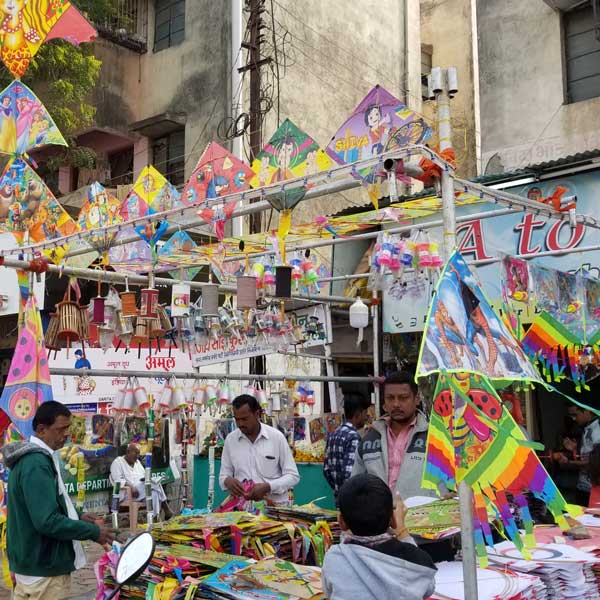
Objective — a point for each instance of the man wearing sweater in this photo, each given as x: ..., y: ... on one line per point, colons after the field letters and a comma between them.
x: 43, y: 527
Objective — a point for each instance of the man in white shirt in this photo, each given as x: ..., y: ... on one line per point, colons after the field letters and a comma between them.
x: 258, y: 453
x: 128, y: 470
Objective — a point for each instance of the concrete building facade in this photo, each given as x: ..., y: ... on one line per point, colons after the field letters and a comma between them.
x: 539, y: 64
x: 165, y: 89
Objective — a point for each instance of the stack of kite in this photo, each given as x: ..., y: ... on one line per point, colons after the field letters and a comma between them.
x: 472, y: 436
x: 567, y: 572
x: 253, y: 536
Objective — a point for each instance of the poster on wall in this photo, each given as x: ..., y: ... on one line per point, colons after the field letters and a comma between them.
x: 86, y: 390
x: 405, y: 309
x: 315, y: 323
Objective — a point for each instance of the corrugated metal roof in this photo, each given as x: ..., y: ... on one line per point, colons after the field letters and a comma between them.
x: 539, y: 168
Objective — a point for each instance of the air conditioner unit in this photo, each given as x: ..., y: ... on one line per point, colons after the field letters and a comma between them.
x: 565, y: 5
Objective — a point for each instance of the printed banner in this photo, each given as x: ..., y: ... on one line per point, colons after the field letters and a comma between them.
x: 405, y: 308
x: 315, y: 323
x: 89, y: 389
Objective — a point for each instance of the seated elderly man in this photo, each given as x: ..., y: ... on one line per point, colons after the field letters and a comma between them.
x: 129, y: 471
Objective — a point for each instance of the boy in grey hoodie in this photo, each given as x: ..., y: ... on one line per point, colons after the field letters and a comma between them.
x: 377, y: 558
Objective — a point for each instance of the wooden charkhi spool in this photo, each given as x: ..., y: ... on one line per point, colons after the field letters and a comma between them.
x: 83, y: 323
x: 140, y: 334
x: 155, y: 329
x: 165, y: 320
x: 246, y: 292
x: 68, y: 321
x: 51, y: 337
x: 128, y: 304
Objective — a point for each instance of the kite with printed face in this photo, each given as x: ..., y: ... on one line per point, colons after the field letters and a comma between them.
x: 290, y: 153
x: 218, y: 173
x: 25, y: 124
x: 26, y: 24
x: 381, y: 122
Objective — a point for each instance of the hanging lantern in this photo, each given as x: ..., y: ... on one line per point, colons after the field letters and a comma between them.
x: 149, y: 304
x: 180, y: 300
x: 246, y: 292
x: 359, y: 318
x: 210, y: 299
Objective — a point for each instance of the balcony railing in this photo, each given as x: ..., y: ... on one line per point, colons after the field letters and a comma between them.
x: 128, y: 26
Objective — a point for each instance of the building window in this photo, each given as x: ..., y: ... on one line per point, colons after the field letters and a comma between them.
x: 426, y: 64
x: 582, y: 54
x: 169, y: 23
x: 168, y: 154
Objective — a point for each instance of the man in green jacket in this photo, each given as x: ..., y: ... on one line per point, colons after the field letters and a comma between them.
x: 43, y: 527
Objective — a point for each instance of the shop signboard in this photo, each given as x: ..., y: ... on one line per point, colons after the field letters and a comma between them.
x: 85, y: 390
x: 315, y: 323
x: 405, y: 310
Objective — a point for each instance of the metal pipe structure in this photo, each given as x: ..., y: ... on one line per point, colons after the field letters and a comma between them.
x: 376, y: 357
x: 373, y: 234
x: 200, y: 375
x: 111, y: 277
x: 512, y: 200
x: 465, y: 493
x: 323, y: 177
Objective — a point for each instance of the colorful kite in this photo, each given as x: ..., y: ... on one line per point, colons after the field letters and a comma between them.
x: 100, y: 210
x: 150, y: 194
x: 218, y: 173
x: 463, y: 334
x: 290, y: 153
x: 28, y: 382
x: 381, y: 122
x: 473, y: 438
x: 175, y: 253
x: 27, y: 205
x: 26, y: 24
x: 25, y: 124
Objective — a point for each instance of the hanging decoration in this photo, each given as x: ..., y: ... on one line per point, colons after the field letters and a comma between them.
x: 28, y: 382
x: 25, y: 124
x: 290, y: 153
x: 473, y: 438
x: 29, y: 24
x: 381, y: 122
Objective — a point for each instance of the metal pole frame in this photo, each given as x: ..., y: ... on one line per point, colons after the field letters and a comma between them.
x: 200, y: 375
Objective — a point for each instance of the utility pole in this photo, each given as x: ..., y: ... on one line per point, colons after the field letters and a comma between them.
x: 255, y: 25
x: 443, y: 85
x: 254, y: 63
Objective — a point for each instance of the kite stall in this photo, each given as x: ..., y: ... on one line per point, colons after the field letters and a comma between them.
x: 156, y: 354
